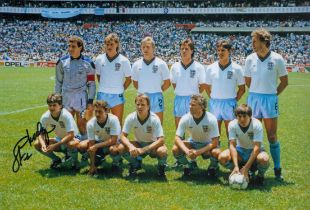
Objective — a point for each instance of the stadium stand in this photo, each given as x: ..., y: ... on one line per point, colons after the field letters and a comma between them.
x: 29, y: 37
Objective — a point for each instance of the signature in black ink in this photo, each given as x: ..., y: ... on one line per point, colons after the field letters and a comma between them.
x: 18, y: 156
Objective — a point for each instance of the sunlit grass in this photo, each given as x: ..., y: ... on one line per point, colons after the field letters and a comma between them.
x: 35, y: 186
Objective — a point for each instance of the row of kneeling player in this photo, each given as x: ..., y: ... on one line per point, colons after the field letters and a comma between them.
x: 105, y: 136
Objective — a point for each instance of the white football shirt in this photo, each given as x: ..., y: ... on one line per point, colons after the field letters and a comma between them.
x: 264, y: 74
x: 99, y: 132
x: 203, y: 132
x: 245, y: 139
x: 224, y: 82
x: 150, y: 76
x: 187, y: 79
x: 64, y: 124
x: 147, y: 131
x: 112, y: 73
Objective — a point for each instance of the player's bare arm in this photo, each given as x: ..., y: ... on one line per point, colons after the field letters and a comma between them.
x: 127, y: 82
x: 234, y: 155
x: 247, y: 81
x: 240, y: 92
x: 160, y: 142
x: 64, y: 140
x: 181, y: 145
x: 165, y: 85
x: 283, y: 84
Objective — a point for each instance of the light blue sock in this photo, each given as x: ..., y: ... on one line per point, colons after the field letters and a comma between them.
x: 275, y: 153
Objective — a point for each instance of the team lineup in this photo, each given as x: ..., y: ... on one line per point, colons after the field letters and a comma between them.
x: 224, y: 81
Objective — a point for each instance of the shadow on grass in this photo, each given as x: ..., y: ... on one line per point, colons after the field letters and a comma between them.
x: 147, y: 174
x: 200, y: 177
x: 269, y: 183
x: 53, y: 173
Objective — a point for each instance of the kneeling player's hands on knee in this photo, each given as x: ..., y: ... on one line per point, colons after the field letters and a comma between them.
x: 140, y: 151
x: 50, y: 148
x: 43, y: 148
x: 192, y: 154
x: 92, y: 149
x: 133, y: 151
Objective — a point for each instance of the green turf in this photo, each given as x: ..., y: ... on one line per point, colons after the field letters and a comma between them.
x: 35, y: 186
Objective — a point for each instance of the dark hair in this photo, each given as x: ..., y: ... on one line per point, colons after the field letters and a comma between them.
x: 190, y: 43
x: 79, y: 41
x: 54, y: 98
x: 201, y: 100
x: 224, y: 43
x: 243, y: 109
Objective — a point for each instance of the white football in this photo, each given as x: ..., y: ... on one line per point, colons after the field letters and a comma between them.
x: 238, y: 181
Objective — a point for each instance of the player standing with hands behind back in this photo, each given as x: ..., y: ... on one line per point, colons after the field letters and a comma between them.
x: 262, y: 70
x: 150, y: 76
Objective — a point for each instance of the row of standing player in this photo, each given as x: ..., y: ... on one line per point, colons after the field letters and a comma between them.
x: 223, y: 81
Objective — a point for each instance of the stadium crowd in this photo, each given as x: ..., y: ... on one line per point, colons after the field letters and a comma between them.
x: 30, y: 40
x: 159, y: 4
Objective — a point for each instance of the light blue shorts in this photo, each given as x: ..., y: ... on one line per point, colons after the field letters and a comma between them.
x: 76, y: 137
x: 181, y: 105
x: 263, y: 105
x: 112, y: 99
x: 197, y: 145
x: 246, y: 153
x: 223, y: 109
x: 157, y: 102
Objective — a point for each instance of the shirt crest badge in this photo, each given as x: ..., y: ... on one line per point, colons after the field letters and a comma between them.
x: 155, y: 69
x: 62, y: 124
x: 107, y: 130
x: 148, y: 129
x: 251, y: 135
x: 229, y: 74
x: 192, y: 73
x: 270, y: 66
x: 205, y: 128
x: 117, y: 66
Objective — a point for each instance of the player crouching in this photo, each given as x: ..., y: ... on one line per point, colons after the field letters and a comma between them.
x: 59, y: 120
x: 103, y: 131
x: 245, y: 148
x: 148, y: 134
x: 203, y: 130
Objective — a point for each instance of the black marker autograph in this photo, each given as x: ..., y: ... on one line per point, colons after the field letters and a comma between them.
x: 18, y: 156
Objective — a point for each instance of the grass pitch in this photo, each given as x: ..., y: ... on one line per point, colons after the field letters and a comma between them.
x: 35, y: 186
